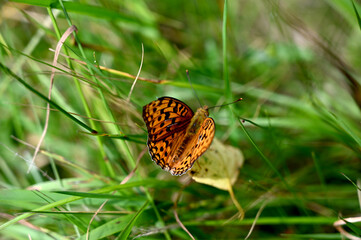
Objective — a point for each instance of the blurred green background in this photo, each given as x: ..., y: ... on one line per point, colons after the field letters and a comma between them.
x: 294, y: 63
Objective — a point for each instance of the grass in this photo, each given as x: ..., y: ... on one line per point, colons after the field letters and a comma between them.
x: 294, y: 63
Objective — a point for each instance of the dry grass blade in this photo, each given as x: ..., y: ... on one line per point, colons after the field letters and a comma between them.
x: 57, y: 51
x: 178, y: 195
x: 136, y: 78
x: 23, y: 158
x: 22, y: 222
x: 339, y: 223
x: 256, y: 218
x: 181, y: 224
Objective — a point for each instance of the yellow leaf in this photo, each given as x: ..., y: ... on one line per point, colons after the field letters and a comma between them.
x: 219, y: 166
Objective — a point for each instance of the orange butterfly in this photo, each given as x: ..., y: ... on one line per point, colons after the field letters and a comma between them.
x: 176, y: 136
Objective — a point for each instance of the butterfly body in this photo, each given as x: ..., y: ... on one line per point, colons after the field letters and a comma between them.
x: 176, y: 136
x: 197, y: 120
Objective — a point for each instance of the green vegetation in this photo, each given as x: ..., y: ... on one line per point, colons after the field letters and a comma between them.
x: 296, y: 65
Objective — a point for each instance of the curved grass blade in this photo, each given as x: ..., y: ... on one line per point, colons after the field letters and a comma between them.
x: 125, y: 233
x: 269, y: 163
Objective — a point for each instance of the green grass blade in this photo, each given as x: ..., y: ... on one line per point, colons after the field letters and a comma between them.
x: 109, y: 228
x: 125, y: 233
x: 325, y: 236
x: 357, y: 14
x: 267, y: 161
x: 353, y: 227
x: 227, y: 85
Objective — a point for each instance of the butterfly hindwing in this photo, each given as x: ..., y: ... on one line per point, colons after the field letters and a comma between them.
x: 160, y: 150
x: 196, y: 148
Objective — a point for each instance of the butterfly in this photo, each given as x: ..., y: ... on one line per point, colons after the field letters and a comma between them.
x: 177, y: 136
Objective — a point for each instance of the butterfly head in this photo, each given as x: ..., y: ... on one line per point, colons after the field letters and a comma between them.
x: 203, y: 111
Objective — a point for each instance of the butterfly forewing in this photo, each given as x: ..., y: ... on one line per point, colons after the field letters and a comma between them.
x: 199, y: 144
x: 166, y: 116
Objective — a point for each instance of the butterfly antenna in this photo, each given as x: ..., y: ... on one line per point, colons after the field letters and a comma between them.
x: 195, y: 93
x: 239, y: 99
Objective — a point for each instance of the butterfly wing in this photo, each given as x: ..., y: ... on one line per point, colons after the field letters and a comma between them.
x: 199, y: 144
x: 166, y: 120
x: 161, y: 150
x: 166, y: 116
